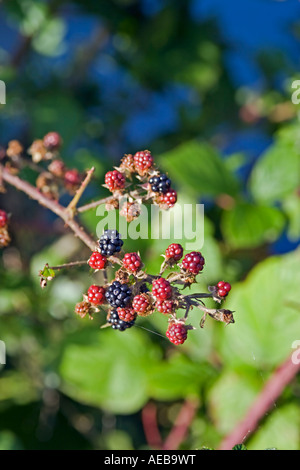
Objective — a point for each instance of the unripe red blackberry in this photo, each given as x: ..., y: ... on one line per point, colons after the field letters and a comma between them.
x: 165, y: 306
x: 96, y: 295
x: 161, y: 289
x: 176, y: 333
x: 142, y: 305
x: 57, y: 168
x: 82, y: 308
x: 126, y: 314
x: 223, y: 289
x: 72, y: 179
x: 132, y: 262
x: 97, y: 261
x: 193, y: 262
x: 169, y: 199
x: 143, y: 161
x: 3, y: 218
x: 115, y: 180
x: 174, y: 252
x: 52, y: 141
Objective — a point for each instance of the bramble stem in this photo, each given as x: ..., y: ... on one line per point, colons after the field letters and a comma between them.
x: 94, y: 204
x: 67, y: 265
x: 53, y: 206
x: 72, y: 206
x: 272, y: 390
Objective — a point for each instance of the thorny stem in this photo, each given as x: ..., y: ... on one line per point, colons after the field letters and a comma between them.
x: 54, y: 206
x: 94, y: 204
x: 273, y: 389
x: 67, y: 265
x: 182, y: 423
x: 72, y: 206
x: 149, y: 420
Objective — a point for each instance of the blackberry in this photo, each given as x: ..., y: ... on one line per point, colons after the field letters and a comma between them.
x: 176, y: 333
x: 114, y: 180
x: 97, y: 261
x: 126, y: 314
x: 96, y: 294
x: 3, y: 218
x: 193, y: 262
x: 118, y: 295
x: 142, y: 305
x: 52, y: 141
x: 165, y: 306
x: 143, y: 161
x: 117, y: 323
x: 72, y: 180
x: 169, y: 199
x: 160, y: 184
x: 174, y: 252
x: 132, y: 262
x: 223, y: 288
x: 161, y: 289
x: 110, y: 242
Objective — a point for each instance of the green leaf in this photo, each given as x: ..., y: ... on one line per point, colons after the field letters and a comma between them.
x: 109, y: 369
x: 280, y: 430
x: 177, y: 378
x: 276, y: 173
x: 267, y: 319
x: 291, y: 206
x: 248, y: 226
x: 239, y: 447
x: 231, y: 396
x: 49, y: 40
x: 47, y: 272
x: 199, y: 169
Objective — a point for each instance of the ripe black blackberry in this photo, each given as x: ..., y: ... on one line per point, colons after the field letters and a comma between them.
x: 160, y: 184
x: 110, y: 242
x: 117, y: 323
x: 118, y: 295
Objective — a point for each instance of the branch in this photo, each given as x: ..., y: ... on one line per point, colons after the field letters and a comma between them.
x: 182, y: 423
x: 265, y: 400
x: 53, y: 206
x: 72, y: 206
x: 94, y: 204
x: 151, y: 430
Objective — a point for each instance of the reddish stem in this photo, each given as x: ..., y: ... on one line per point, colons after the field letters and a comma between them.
x: 151, y: 430
x: 54, y: 206
x: 182, y: 423
x: 282, y: 376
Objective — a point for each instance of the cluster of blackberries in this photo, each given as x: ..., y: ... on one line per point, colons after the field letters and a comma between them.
x: 118, y: 295
x: 110, y: 242
x: 160, y: 184
x: 117, y: 323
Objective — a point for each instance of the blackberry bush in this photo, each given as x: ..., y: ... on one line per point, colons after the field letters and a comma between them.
x: 128, y: 293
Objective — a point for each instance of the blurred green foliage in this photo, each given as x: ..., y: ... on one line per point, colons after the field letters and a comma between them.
x: 67, y: 384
